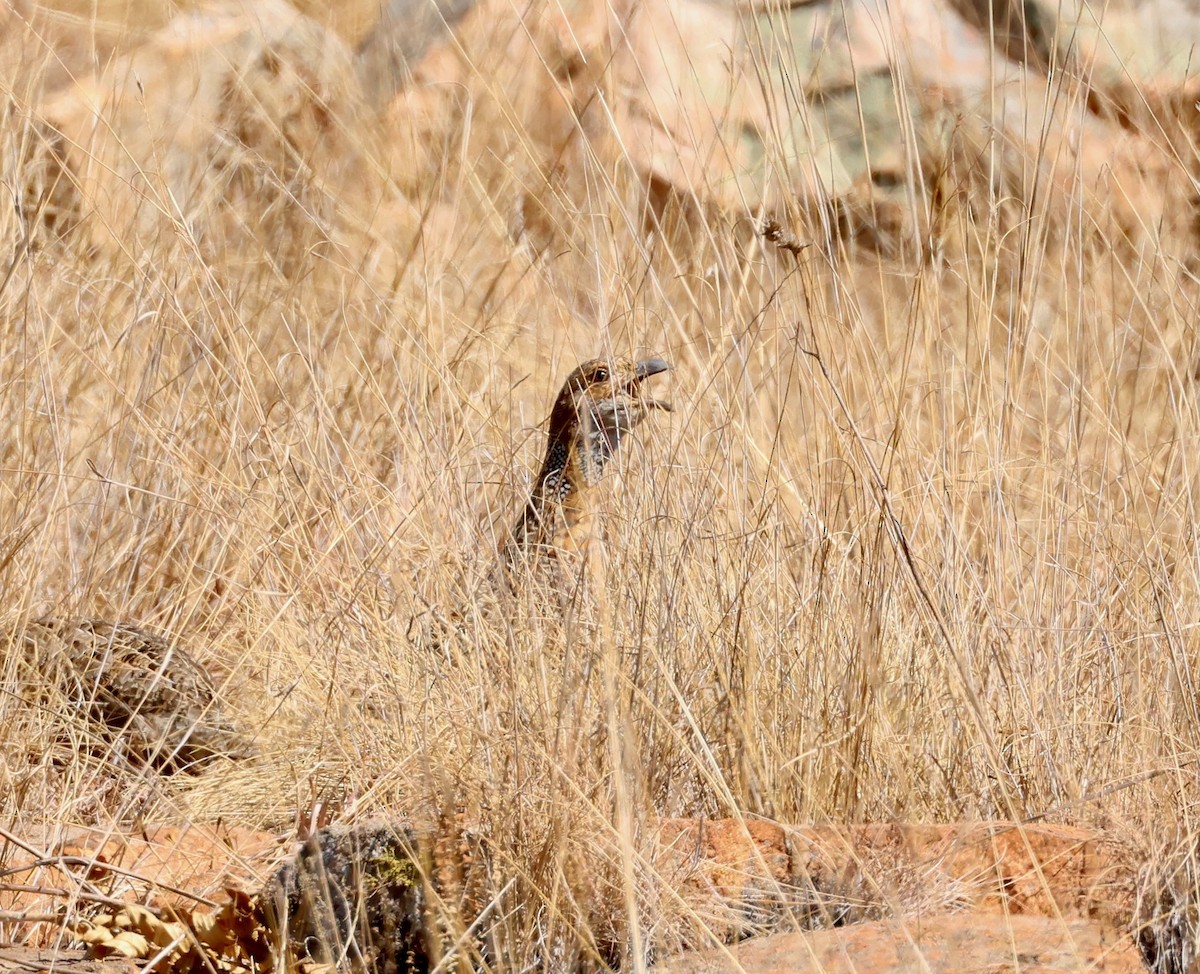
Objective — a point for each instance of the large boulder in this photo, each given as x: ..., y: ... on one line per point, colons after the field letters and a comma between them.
x: 404, y: 31
x: 862, y: 120
x: 230, y: 125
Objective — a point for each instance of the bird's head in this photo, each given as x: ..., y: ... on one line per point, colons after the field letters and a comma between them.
x: 602, y: 401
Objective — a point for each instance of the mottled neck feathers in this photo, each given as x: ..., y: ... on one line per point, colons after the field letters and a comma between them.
x: 599, y: 405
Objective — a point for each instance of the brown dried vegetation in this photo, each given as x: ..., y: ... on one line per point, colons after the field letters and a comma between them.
x: 917, y: 543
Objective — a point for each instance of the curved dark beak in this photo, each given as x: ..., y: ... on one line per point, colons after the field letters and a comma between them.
x: 646, y: 368
x: 650, y: 366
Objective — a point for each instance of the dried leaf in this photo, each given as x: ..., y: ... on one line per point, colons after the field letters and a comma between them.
x: 127, y: 943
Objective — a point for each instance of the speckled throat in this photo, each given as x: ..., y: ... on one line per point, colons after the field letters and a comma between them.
x: 599, y: 405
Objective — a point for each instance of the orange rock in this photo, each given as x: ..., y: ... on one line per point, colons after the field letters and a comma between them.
x: 736, y: 875
x: 197, y: 859
x: 989, y: 943
x: 160, y: 865
x: 1044, y: 870
x: 731, y: 874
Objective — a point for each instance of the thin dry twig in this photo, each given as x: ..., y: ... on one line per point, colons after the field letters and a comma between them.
x: 783, y: 238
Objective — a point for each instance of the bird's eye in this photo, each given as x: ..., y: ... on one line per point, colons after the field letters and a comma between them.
x: 600, y: 375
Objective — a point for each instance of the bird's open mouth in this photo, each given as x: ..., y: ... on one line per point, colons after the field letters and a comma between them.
x: 644, y: 370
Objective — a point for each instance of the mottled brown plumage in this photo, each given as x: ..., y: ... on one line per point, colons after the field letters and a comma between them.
x: 599, y: 405
x: 143, y: 693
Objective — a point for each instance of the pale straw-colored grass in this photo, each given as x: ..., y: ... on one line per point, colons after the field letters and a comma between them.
x: 917, y: 541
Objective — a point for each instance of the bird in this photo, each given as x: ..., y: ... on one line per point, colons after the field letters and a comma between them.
x: 599, y: 405
x: 553, y: 546
x: 142, y: 691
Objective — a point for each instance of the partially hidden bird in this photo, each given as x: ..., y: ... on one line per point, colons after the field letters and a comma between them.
x: 598, y: 407
x: 144, y: 693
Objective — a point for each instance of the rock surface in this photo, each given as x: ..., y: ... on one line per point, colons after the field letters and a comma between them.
x: 852, y: 116
x: 879, y: 897
x: 237, y: 119
x: 733, y: 872
x: 981, y: 942
x: 27, y: 959
x: 405, y: 30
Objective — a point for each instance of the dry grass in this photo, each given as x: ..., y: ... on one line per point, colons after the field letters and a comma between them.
x: 916, y: 543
